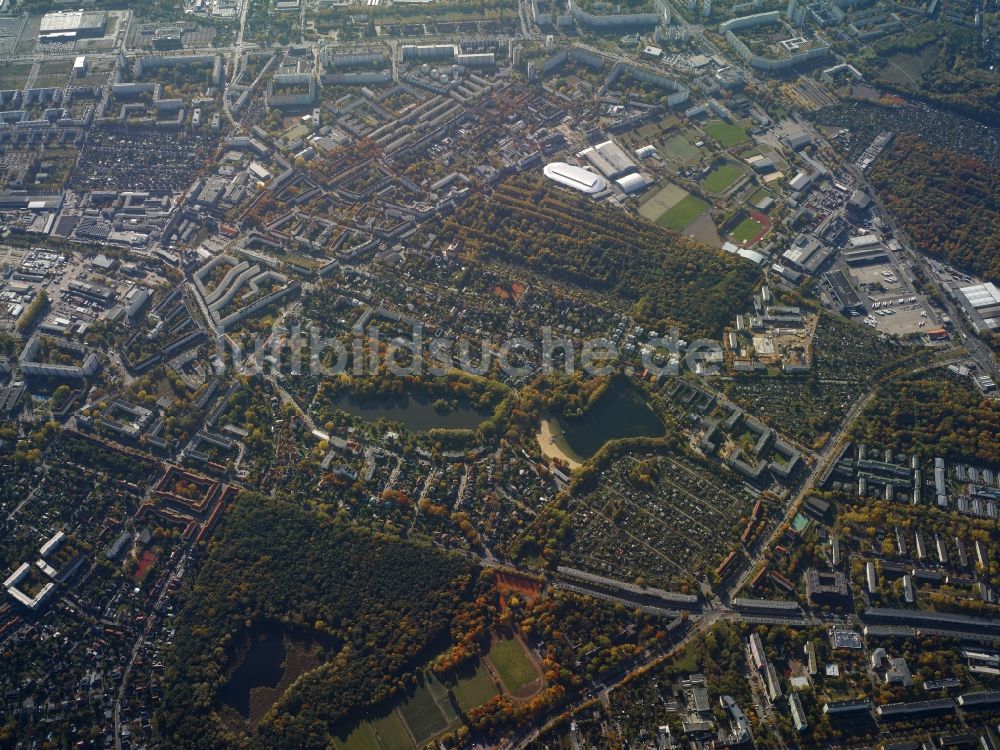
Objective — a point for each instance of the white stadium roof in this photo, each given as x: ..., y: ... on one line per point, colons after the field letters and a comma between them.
x: 751, y: 255
x: 575, y: 177
x: 632, y: 183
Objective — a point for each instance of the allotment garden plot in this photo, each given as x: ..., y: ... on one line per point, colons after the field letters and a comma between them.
x: 664, y: 518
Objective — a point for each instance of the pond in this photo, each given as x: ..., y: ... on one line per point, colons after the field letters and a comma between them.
x: 620, y: 413
x: 415, y: 413
x: 262, y: 666
x: 273, y: 658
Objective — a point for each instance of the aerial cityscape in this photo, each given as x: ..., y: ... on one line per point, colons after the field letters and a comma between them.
x: 500, y: 374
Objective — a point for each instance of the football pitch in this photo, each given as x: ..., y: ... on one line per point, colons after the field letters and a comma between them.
x: 662, y: 201
x: 385, y: 733
x: 516, y: 668
x: 725, y: 133
x: 473, y: 686
x: 721, y: 178
x: 424, y: 714
x: 746, y: 230
x: 683, y: 213
x: 680, y: 149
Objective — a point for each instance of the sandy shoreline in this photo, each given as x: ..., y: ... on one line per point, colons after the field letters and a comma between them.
x: 551, y: 449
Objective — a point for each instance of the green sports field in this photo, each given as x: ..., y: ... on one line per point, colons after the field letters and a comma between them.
x: 412, y: 721
x: 721, y: 178
x: 385, y: 733
x: 423, y: 716
x: 516, y: 668
x: 679, y: 148
x: 725, y: 133
x: 746, y: 230
x: 662, y: 201
x: 472, y: 685
x: 440, y: 692
x: 683, y: 213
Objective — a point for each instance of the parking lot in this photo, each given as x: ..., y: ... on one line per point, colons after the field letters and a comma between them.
x: 893, y: 305
x: 902, y: 319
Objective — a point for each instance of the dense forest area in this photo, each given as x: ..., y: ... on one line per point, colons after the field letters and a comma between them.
x: 938, y: 62
x: 663, y: 278
x: 933, y: 416
x: 382, y: 600
x: 949, y: 203
x: 596, y: 637
x: 383, y: 385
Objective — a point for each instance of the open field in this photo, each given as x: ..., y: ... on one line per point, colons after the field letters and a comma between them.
x: 361, y: 738
x: 515, y: 666
x: 53, y: 74
x: 14, y: 75
x: 416, y: 719
x: 906, y: 68
x: 662, y: 201
x: 721, y: 178
x: 704, y: 230
x: 725, y: 133
x: 440, y: 693
x: 683, y: 213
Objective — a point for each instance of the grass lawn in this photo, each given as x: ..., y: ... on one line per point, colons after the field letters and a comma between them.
x: 648, y: 131
x: 720, y: 178
x: 725, y: 133
x: 14, y: 75
x: 362, y: 737
x: 683, y: 213
x: 909, y: 68
x: 746, y: 230
x: 679, y: 148
x: 473, y: 686
x: 685, y: 661
x: 422, y: 715
x: 55, y: 68
x: 759, y: 195
x: 392, y: 735
x: 514, y: 665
